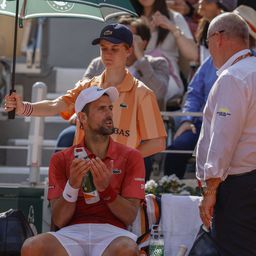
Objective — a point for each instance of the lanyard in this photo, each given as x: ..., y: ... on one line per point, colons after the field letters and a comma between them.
x: 248, y: 54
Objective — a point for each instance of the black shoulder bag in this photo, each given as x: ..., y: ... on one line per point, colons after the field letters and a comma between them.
x: 14, y: 230
x: 204, y: 245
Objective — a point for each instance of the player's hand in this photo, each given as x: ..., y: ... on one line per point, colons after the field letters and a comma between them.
x: 78, y: 169
x: 14, y: 101
x: 101, y: 173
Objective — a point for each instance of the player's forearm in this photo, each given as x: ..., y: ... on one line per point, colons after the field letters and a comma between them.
x: 124, y: 209
x: 48, y: 107
x: 62, y: 211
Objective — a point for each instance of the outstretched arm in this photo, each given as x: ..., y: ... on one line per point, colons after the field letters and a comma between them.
x: 41, y: 108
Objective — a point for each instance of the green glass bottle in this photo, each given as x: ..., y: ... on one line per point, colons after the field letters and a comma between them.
x: 90, y: 193
x: 156, y: 243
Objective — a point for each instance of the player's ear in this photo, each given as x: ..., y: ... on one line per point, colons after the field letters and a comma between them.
x: 82, y: 117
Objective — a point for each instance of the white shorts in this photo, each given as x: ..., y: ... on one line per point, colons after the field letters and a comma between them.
x: 89, y: 239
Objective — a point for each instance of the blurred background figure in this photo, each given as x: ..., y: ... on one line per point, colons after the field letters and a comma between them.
x: 170, y: 37
x: 188, y: 8
x: 208, y: 10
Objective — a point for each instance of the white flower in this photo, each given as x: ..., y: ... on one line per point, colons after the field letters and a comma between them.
x: 174, y: 178
x: 163, y: 180
x: 151, y: 184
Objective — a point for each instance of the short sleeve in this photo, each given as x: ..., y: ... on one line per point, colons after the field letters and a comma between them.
x: 57, y: 176
x: 134, y: 181
x: 150, y: 122
x: 70, y: 98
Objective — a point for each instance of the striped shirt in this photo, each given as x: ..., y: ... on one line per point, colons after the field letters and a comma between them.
x: 136, y: 114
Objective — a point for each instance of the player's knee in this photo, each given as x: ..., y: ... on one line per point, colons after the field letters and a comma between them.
x: 127, y: 246
x: 32, y: 246
x: 28, y: 247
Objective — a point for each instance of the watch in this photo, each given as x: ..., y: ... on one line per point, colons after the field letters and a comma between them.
x: 208, y: 192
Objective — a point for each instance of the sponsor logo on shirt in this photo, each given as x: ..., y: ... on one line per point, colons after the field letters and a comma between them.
x: 51, y: 187
x: 116, y: 171
x: 123, y: 105
x: 125, y: 133
x: 223, y: 112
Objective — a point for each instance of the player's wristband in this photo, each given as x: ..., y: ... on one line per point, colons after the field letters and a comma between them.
x: 108, y: 195
x: 28, y: 109
x: 70, y: 194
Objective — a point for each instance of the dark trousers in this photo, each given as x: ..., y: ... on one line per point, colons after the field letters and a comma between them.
x: 234, y: 220
x: 176, y: 163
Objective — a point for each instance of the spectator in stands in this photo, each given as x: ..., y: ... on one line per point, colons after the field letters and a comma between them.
x: 96, y: 227
x: 137, y: 119
x: 187, y: 134
x: 170, y: 35
x: 188, y: 8
x: 209, y: 9
x: 226, y: 151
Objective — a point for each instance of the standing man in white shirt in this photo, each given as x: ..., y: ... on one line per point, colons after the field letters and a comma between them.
x: 226, y: 152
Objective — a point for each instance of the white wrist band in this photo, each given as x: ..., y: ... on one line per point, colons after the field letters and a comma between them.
x: 70, y: 194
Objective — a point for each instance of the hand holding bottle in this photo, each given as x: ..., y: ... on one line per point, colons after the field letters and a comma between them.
x: 78, y: 169
x: 101, y: 173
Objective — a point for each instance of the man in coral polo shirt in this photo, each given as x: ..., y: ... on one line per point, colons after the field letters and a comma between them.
x: 99, y: 227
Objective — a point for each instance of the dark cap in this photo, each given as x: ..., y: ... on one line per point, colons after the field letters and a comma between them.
x: 116, y: 34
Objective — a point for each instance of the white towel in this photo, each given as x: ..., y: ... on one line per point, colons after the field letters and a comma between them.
x: 180, y: 221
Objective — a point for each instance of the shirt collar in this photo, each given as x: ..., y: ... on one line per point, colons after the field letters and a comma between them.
x: 125, y: 86
x: 229, y: 62
x: 111, y: 151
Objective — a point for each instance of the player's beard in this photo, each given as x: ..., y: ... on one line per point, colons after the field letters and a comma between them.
x: 107, y: 127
